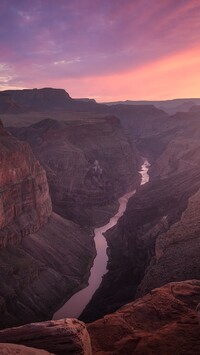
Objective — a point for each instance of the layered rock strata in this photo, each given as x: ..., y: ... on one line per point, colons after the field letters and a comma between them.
x: 25, y: 203
x: 89, y: 164
x: 44, y: 258
x: 157, y: 239
x: 162, y: 322
x: 66, y: 336
x: 14, y: 349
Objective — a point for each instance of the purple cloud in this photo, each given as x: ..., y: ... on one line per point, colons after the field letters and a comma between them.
x: 54, y: 39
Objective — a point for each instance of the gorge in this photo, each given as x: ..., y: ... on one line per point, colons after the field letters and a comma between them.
x: 81, y: 159
x: 74, y: 307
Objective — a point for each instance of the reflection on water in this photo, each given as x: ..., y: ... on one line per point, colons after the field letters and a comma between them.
x: 76, y: 304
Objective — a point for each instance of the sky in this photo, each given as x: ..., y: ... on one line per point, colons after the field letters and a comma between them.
x: 104, y: 49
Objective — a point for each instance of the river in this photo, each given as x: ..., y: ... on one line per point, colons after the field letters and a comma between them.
x: 76, y: 304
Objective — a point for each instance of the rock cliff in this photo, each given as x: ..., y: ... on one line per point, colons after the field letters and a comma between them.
x: 162, y: 322
x: 25, y: 203
x: 66, y: 336
x: 89, y: 164
x: 44, y: 258
x: 157, y: 239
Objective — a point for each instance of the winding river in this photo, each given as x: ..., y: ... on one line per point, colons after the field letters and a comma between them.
x: 76, y: 304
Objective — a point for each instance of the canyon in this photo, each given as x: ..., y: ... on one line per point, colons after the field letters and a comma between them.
x: 84, y: 156
x: 35, y: 242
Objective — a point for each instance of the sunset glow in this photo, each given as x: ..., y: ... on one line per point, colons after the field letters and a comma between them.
x: 109, y: 50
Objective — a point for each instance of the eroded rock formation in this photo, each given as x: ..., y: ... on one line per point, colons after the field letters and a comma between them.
x: 89, y: 164
x: 157, y: 239
x: 44, y: 258
x: 25, y: 203
x: 65, y: 336
x: 162, y: 322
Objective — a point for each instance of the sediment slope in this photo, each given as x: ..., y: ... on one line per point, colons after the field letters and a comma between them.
x: 44, y: 258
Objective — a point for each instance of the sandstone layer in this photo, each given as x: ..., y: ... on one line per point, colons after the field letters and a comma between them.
x: 14, y: 349
x: 162, y: 322
x: 66, y: 336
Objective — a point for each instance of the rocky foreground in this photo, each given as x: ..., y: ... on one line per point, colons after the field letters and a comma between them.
x: 162, y: 322
x: 165, y: 321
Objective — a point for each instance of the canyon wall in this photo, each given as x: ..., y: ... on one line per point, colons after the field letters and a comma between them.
x: 25, y: 204
x: 157, y: 239
x: 90, y: 163
x: 44, y: 258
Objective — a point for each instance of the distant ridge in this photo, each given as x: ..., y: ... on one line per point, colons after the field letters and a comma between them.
x: 13, y: 101
x: 169, y: 106
x: 48, y: 99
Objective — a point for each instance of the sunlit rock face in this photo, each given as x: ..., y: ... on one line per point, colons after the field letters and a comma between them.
x: 25, y: 203
x: 89, y: 164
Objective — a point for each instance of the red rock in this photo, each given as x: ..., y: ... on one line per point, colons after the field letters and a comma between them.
x: 25, y: 203
x: 62, y: 337
x: 162, y: 322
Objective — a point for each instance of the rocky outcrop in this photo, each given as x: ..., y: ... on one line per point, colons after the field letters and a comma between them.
x: 44, y: 258
x: 14, y: 349
x: 162, y: 322
x: 25, y: 203
x: 165, y: 321
x: 89, y: 164
x: 176, y: 250
x: 66, y: 336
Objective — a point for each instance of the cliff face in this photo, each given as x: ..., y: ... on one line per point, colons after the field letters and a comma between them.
x: 89, y: 164
x: 39, y: 98
x: 157, y: 239
x: 44, y: 258
x: 25, y: 203
x: 162, y: 322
